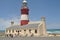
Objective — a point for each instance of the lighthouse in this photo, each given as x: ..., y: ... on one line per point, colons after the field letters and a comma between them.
x: 27, y: 28
x: 24, y: 13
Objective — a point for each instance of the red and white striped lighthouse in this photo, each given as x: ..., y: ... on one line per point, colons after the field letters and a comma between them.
x: 24, y: 13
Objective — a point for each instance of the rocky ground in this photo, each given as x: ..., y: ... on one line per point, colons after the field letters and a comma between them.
x: 30, y: 38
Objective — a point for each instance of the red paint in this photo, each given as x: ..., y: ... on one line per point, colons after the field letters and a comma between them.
x: 24, y: 11
x: 24, y: 22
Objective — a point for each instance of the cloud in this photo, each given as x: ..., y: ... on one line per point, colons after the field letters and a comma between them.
x: 4, y: 23
x: 53, y: 26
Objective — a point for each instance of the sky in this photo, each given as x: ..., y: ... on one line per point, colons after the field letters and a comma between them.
x: 10, y: 10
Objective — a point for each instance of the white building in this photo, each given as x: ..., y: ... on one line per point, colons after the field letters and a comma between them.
x: 35, y: 29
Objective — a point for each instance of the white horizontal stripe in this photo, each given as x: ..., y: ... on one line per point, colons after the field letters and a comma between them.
x: 24, y: 17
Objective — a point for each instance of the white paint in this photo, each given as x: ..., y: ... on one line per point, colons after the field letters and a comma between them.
x: 24, y: 17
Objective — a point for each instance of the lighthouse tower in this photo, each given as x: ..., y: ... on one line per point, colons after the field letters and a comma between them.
x: 24, y: 13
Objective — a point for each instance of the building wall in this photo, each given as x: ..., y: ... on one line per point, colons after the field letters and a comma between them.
x: 42, y: 29
x: 22, y: 32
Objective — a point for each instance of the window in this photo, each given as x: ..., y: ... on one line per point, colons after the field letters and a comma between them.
x: 13, y: 31
x: 17, y: 30
x: 24, y: 30
x: 35, y: 30
x: 30, y: 30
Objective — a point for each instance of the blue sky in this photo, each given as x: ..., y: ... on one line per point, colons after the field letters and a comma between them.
x: 10, y: 9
